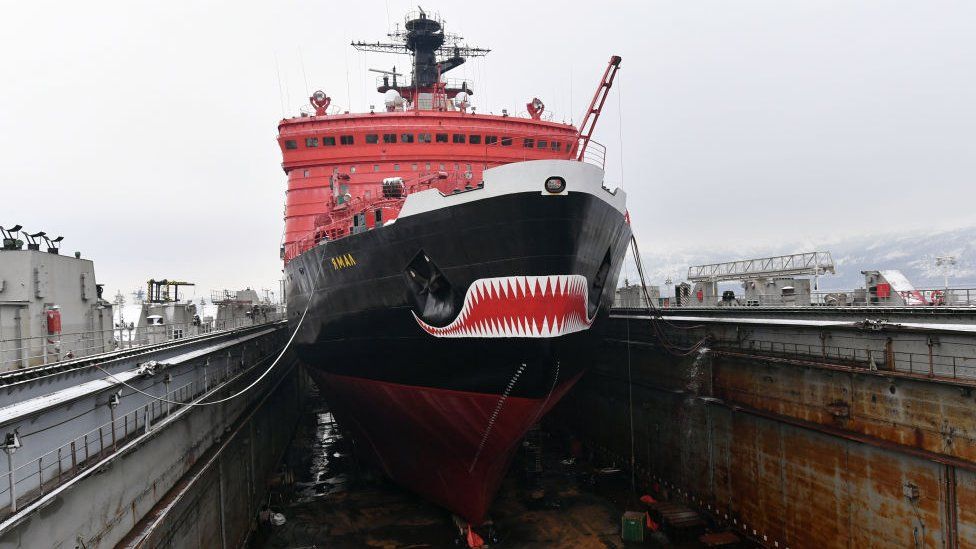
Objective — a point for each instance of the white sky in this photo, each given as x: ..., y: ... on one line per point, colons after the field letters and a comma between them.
x: 144, y: 132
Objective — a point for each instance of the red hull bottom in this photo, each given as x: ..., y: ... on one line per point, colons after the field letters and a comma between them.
x: 451, y: 447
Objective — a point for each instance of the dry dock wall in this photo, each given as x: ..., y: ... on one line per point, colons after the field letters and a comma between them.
x: 793, y: 450
x: 193, y: 480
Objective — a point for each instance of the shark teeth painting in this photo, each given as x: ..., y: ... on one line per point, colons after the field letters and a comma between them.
x: 519, y: 307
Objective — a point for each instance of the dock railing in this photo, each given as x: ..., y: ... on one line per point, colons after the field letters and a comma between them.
x: 926, y: 298
x: 44, y: 350
x: 27, y: 482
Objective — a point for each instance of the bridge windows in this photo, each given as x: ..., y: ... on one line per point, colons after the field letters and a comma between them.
x: 458, y: 138
x: 542, y: 144
x: 406, y: 138
x: 346, y: 140
x: 389, y: 138
x: 311, y: 142
x: 557, y: 145
x: 491, y: 139
x: 291, y: 144
x: 474, y: 139
x: 423, y: 138
x: 372, y: 138
x: 441, y: 138
x: 328, y: 141
x: 376, y: 167
x: 396, y: 167
x: 413, y: 166
x: 528, y: 142
x: 506, y: 141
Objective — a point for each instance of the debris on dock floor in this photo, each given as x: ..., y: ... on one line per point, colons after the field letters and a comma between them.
x: 330, y: 500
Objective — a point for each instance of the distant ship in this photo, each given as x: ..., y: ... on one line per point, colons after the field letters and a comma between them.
x: 455, y: 267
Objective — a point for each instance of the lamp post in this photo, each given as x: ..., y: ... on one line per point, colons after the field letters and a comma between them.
x: 946, y: 262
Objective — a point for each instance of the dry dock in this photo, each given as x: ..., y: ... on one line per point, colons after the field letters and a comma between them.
x: 826, y: 427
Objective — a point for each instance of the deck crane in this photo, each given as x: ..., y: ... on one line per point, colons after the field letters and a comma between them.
x: 596, y: 105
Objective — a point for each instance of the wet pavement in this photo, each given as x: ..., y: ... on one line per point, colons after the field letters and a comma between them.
x: 328, y: 499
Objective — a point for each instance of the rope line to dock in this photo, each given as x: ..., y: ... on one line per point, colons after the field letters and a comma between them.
x: 235, y: 395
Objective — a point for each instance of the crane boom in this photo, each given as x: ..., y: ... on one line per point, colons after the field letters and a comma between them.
x: 596, y: 105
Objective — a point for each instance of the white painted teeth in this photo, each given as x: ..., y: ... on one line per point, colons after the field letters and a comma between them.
x: 520, y: 306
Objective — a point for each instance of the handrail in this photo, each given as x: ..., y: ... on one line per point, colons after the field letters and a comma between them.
x: 19, y: 353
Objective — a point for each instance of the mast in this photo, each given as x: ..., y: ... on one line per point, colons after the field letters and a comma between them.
x: 433, y: 51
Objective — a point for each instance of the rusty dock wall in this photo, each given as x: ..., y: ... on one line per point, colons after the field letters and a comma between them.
x: 825, y: 429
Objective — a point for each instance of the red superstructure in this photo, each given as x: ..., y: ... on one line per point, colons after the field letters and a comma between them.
x: 427, y: 136
x: 336, y: 164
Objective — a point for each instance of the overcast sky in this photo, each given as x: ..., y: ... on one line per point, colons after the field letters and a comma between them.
x: 145, y: 132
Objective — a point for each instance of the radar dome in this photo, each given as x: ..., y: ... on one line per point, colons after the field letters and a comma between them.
x: 393, y: 100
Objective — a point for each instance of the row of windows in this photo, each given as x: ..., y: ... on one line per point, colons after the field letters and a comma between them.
x: 458, y: 138
x: 396, y: 167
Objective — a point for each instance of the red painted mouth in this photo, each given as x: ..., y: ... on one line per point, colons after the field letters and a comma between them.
x: 520, y: 306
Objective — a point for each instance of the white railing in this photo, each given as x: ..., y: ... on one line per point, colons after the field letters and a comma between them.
x: 29, y: 481
x: 44, y: 350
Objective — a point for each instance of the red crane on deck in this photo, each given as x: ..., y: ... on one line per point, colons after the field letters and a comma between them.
x: 596, y: 105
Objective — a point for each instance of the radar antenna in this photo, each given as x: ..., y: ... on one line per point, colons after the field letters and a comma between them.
x: 434, y: 52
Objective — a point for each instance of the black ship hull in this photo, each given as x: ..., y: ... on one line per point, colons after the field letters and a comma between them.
x: 440, y: 338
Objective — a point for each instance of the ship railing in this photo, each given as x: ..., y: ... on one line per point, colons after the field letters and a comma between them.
x: 595, y: 154
x: 44, y: 350
x: 27, y: 482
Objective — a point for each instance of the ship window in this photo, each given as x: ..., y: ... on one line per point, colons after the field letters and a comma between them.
x: 414, y: 166
x: 406, y: 138
x: 527, y: 142
x: 291, y: 144
x: 307, y: 173
x: 467, y: 167
x: 311, y: 142
x: 352, y: 169
x: 457, y: 166
x: 442, y: 167
x: 376, y: 167
x: 372, y: 138
x: 389, y: 138
x: 442, y: 138
x: 542, y: 144
x: 557, y: 145
x: 378, y: 216
x: 506, y: 141
x: 423, y: 137
x: 474, y: 139
x: 346, y: 139
x: 491, y: 139
x: 328, y: 141
x: 396, y: 167
x: 458, y: 138
x: 335, y: 170
x: 368, y: 195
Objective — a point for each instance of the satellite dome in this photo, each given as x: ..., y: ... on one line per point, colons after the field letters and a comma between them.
x: 392, y: 99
